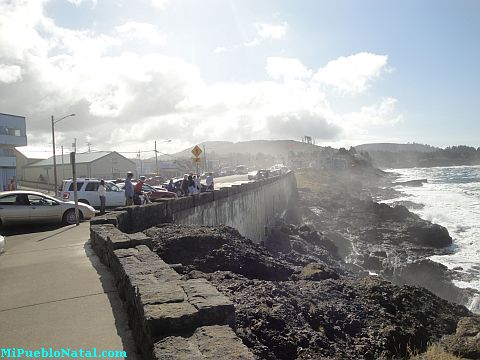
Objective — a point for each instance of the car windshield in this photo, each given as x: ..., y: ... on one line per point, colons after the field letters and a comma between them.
x: 147, y: 187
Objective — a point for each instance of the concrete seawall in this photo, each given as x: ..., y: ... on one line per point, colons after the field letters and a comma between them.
x: 247, y: 207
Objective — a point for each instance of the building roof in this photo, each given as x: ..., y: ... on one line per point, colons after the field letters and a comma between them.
x: 79, y: 158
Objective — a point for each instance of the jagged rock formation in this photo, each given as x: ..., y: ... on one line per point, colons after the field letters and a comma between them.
x: 301, y: 301
x: 466, y: 340
x: 390, y: 241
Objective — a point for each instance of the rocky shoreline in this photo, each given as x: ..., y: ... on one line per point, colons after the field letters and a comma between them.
x: 389, y: 241
x: 308, y: 291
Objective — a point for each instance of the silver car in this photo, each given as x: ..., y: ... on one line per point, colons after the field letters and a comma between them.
x: 2, y: 244
x: 24, y: 207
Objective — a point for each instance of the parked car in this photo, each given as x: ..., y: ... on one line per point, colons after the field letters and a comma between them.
x: 87, y: 192
x: 155, y: 180
x: 154, y: 193
x: 24, y: 207
x: 157, y: 193
x: 259, y: 174
x: 178, y: 186
x: 3, y: 243
x: 252, y: 174
x: 241, y: 170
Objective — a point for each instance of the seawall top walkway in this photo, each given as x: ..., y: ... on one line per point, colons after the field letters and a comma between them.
x: 55, y: 293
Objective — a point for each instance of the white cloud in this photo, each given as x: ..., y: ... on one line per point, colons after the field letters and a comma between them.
x: 220, y: 50
x: 352, y: 74
x: 10, y: 73
x: 160, y: 4
x: 287, y: 68
x: 271, y: 31
x: 267, y: 32
x: 124, y: 100
x: 254, y: 42
x: 381, y: 114
x: 80, y: 2
x: 142, y: 31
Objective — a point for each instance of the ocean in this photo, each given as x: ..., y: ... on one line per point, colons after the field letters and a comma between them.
x: 451, y: 198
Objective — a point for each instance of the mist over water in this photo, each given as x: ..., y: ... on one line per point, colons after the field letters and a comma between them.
x: 451, y: 198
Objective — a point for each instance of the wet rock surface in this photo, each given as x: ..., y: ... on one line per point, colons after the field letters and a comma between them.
x: 300, y: 301
x: 466, y: 340
x: 388, y: 240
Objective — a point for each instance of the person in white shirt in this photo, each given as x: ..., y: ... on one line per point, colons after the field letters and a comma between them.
x: 102, y: 192
x: 209, y: 182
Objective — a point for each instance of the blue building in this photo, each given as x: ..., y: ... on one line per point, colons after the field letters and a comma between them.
x: 12, y: 134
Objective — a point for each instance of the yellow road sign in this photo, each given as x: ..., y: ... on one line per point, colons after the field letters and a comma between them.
x: 196, y: 151
x: 196, y: 159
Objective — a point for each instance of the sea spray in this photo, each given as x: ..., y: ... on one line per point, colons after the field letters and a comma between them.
x: 451, y: 198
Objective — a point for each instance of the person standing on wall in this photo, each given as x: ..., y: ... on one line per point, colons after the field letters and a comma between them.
x: 129, y: 189
x: 102, y: 193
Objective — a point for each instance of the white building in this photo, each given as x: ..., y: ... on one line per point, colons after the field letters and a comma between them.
x: 12, y: 134
x: 101, y: 165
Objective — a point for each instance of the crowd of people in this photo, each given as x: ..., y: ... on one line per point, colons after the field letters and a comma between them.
x: 189, y: 185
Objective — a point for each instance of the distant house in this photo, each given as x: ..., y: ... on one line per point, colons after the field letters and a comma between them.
x: 101, y: 165
x: 12, y: 134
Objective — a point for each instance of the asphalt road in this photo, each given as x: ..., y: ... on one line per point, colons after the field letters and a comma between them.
x: 226, y: 181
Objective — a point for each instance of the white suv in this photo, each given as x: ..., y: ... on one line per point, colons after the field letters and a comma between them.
x: 87, y: 192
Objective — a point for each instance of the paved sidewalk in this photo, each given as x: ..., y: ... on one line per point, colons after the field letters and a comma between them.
x: 54, y: 292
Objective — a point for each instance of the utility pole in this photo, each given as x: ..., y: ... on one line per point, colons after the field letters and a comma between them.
x: 156, y: 159
x: 74, y: 145
x: 205, y: 158
x: 88, y: 144
x: 141, y: 165
x: 54, y: 155
x: 54, y: 160
x: 75, y: 190
x: 63, y: 166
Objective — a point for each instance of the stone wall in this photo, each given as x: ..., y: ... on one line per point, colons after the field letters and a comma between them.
x: 247, y: 208
x: 170, y: 318
x: 173, y: 318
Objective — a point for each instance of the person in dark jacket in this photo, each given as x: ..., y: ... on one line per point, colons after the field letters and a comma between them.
x: 171, y: 186
x: 185, y: 185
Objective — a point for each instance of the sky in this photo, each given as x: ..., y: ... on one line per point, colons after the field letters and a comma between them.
x: 180, y: 72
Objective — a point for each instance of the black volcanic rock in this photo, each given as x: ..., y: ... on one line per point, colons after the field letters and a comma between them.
x: 307, y: 304
x: 432, y: 235
x: 210, y: 249
x: 345, y: 318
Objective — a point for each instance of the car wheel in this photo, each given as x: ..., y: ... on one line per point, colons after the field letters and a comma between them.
x: 83, y: 201
x: 69, y: 217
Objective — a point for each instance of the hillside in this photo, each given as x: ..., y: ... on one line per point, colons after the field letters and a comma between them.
x: 266, y: 147
x: 392, y: 147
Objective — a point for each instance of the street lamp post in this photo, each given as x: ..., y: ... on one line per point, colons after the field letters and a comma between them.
x: 53, y: 143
